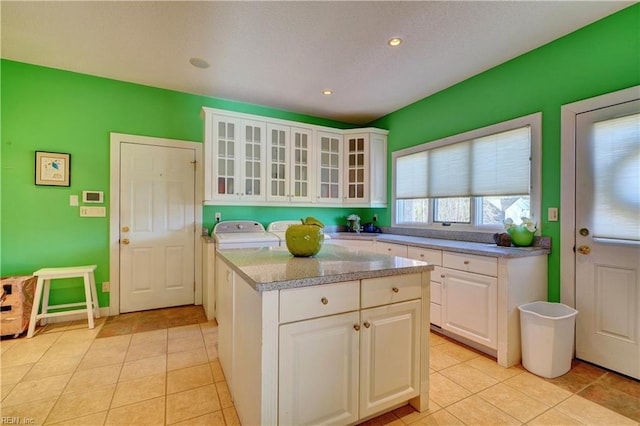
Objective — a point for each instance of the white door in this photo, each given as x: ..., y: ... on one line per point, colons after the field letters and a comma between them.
x: 607, y: 237
x: 157, y: 225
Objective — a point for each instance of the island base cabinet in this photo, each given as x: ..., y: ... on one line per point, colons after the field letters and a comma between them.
x: 319, y: 371
x: 389, y: 356
x: 338, y: 369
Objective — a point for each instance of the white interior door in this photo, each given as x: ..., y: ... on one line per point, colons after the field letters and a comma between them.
x: 157, y: 225
x: 607, y: 237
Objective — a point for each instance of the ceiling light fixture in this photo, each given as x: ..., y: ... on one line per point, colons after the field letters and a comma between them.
x: 394, y: 42
x: 327, y: 92
x: 199, y: 63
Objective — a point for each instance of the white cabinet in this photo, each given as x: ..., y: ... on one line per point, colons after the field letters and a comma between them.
x: 366, y: 245
x: 349, y: 350
x: 391, y: 249
x: 225, y: 287
x: 234, y: 151
x: 389, y: 356
x: 255, y: 160
x: 329, y: 166
x: 469, y: 306
x: 365, y: 169
x: 469, y: 299
x: 433, y: 257
x: 289, y: 164
x: 319, y: 371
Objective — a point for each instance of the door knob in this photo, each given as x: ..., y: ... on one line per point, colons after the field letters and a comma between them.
x: 584, y: 232
x: 125, y: 241
x: 584, y: 250
x: 125, y: 229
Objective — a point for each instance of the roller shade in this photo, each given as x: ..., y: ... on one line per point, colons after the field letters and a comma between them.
x: 498, y: 164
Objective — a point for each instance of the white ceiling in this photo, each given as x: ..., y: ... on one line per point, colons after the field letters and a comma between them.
x: 282, y: 54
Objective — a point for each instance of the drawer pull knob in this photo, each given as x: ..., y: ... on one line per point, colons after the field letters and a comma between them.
x: 324, y: 300
x: 367, y: 324
x: 356, y: 327
x: 421, y: 254
x: 442, y: 276
x: 395, y: 289
x: 466, y: 262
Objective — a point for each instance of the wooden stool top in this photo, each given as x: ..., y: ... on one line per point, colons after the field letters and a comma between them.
x: 65, y: 272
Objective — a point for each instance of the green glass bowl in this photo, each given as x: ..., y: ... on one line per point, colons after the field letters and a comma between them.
x: 304, y: 240
x: 521, y: 236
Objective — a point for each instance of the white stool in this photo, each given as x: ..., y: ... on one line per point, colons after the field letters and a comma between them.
x: 90, y: 305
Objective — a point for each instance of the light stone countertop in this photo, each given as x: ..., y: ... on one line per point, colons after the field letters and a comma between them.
x: 458, y: 246
x: 267, y: 269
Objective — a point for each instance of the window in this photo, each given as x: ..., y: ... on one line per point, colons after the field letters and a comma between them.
x: 471, y: 180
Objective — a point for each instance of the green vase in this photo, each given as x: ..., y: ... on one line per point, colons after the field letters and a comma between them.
x: 304, y: 240
x: 520, y: 236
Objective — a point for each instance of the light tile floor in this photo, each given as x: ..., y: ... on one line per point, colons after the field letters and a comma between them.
x: 128, y: 372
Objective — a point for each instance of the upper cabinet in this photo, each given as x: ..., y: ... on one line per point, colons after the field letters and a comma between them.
x: 329, y: 176
x: 365, y: 168
x: 234, y: 169
x: 255, y: 160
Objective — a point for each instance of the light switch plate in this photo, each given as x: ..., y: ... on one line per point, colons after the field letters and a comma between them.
x: 552, y: 214
x: 73, y: 200
x: 90, y: 211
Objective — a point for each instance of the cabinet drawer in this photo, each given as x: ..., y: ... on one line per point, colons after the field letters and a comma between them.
x: 384, y: 290
x: 436, y: 293
x: 391, y: 249
x: 433, y: 257
x: 471, y: 263
x: 317, y: 301
x: 435, y: 314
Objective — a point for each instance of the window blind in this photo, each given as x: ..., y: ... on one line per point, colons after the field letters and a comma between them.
x: 616, y: 167
x: 498, y: 164
x: 411, y: 176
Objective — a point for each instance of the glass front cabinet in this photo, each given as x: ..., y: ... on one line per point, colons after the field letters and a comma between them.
x: 255, y: 160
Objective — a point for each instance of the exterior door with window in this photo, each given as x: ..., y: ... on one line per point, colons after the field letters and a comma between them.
x: 607, y: 237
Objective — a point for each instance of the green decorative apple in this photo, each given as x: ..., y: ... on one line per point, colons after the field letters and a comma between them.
x: 306, y: 239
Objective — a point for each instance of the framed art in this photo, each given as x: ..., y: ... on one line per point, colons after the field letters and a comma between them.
x: 53, y: 168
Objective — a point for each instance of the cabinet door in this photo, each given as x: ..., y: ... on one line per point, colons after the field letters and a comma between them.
x: 356, y: 169
x: 329, y: 185
x: 389, y: 356
x: 469, y: 306
x: 277, y: 163
x: 318, y: 374
x: 253, y: 158
x: 225, y: 151
x: 301, y: 165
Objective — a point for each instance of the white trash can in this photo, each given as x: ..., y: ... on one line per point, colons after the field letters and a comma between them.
x: 547, y: 331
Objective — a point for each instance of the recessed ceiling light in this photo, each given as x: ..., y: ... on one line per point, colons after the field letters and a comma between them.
x: 327, y: 92
x: 394, y: 42
x: 199, y: 63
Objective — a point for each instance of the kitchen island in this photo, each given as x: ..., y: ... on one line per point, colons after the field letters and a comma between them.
x: 333, y: 339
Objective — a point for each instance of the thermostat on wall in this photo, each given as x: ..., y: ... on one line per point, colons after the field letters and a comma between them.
x: 93, y: 197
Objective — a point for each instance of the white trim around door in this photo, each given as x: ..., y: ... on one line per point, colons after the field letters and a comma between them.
x: 116, y: 139
x: 567, y: 189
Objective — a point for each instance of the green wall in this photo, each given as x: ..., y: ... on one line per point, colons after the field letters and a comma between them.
x: 600, y: 58
x: 48, y: 109
x: 52, y: 110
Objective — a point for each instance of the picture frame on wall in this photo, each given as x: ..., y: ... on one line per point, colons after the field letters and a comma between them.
x: 53, y: 169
